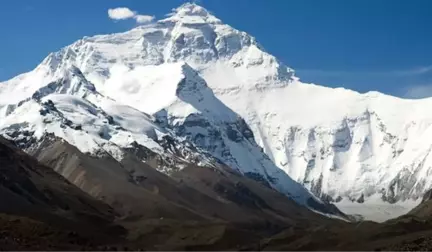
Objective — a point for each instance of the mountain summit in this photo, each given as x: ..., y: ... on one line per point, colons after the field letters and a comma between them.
x: 218, y: 94
x: 191, y: 13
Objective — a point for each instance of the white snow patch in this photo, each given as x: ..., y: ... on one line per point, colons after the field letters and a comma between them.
x: 157, y: 84
x: 376, y: 210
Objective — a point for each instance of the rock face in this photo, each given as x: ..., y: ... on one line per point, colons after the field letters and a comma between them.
x: 31, y: 189
x: 136, y: 190
x: 191, y: 89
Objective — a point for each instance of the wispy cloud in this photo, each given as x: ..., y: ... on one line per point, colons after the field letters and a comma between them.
x: 414, y: 83
x: 123, y: 13
x: 417, y: 71
x: 392, y: 73
x: 422, y: 90
x: 418, y: 91
x: 141, y: 19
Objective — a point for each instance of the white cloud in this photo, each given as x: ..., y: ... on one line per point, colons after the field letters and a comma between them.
x: 141, y: 19
x: 418, y: 91
x: 123, y: 13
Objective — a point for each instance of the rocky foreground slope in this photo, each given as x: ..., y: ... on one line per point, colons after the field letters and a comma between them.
x: 141, y: 208
x: 196, y: 208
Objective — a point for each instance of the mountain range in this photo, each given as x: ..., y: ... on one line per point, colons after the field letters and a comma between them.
x: 107, y: 94
x: 187, y: 127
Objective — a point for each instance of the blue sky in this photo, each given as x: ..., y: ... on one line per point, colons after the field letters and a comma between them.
x: 383, y: 45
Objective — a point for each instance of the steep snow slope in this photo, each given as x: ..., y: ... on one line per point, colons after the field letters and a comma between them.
x: 200, y: 78
x: 71, y: 108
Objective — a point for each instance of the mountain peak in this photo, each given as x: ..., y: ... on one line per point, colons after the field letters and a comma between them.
x: 192, y: 9
x: 191, y: 13
x: 205, y: 73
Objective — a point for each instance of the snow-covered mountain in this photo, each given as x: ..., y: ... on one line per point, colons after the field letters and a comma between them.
x: 223, y: 99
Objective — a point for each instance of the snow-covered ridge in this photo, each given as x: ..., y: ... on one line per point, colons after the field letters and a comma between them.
x: 71, y: 108
x: 216, y: 87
